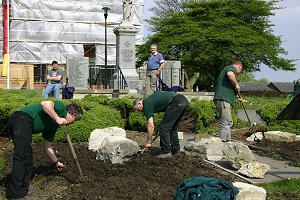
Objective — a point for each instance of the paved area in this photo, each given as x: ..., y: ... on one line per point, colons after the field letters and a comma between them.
x: 279, y: 169
x: 253, y: 116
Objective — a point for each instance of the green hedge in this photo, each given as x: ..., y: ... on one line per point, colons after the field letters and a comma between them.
x: 203, y: 112
x: 138, y: 121
x: 98, y: 117
x: 101, y: 112
x: 95, y: 115
x: 269, y: 113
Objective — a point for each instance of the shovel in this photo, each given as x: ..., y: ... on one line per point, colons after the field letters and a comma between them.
x: 153, y: 140
x: 245, y: 110
x: 255, y: 137
x: 72, y: 150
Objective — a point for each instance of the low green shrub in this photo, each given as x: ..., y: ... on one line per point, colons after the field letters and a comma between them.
x: 100, y: 99
x: 97, y: 118
x: 205, y: 115
x: 138, y: 121
x: 124, y: 106
x: 2, y: 162
x: 269, y: 113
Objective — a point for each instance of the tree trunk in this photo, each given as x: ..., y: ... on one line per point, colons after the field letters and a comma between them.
x: 189, y: 82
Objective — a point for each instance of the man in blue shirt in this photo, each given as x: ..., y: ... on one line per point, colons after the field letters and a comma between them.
x: 154, y: 66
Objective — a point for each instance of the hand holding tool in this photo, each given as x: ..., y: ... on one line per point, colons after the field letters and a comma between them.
x: 153, y: 140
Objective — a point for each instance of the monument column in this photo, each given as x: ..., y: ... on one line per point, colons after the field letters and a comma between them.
x: 125, y: 49
x: 125, y: 54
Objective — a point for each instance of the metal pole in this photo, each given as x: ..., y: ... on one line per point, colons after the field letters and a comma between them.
x: 105, y: 41
x: 6, y: 52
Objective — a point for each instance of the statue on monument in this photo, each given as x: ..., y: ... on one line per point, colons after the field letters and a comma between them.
x: 127, y: 7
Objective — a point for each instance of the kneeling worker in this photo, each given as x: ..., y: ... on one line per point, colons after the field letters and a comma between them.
x: 174, y: 105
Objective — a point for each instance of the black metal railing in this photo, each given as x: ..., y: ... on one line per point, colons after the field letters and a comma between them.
x: 106, y: 77
x: 121, y: 81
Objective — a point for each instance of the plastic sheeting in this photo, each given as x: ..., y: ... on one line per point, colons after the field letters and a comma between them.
x: 43, y: 52
x: 45, y: 30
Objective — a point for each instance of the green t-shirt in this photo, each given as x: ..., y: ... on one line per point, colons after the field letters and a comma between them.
x: 225, y: 90
x: 157, y: 102
x: 42, y: 122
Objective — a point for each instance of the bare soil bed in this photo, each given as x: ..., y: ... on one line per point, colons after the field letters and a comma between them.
x: 146, y: 177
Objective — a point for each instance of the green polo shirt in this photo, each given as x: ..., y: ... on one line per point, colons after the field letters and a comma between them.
x: 42, y: 122
x: 225, y: 90
x: 157, y: 102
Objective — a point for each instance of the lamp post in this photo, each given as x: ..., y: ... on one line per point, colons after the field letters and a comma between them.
x: 105, y: 9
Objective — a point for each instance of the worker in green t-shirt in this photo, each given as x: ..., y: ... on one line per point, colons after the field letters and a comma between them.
x: 45, y: 118
x: 226, y: 92
x: 174, y: 106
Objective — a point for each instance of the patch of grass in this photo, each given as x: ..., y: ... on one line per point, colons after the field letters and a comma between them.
x: 24, y: 93
x: 2, y: 162
x: 283, y: 189
x: 295, y: 164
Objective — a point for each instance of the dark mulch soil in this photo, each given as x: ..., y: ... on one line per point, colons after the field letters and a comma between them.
x: 146, y: 177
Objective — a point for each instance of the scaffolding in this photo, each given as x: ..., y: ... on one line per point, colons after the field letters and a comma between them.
x: 45, y: 30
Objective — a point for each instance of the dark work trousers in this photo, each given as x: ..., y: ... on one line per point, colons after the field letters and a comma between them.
x: 168, y: 126
x: 20, y: 126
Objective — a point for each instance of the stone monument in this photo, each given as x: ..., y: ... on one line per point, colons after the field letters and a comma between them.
x: 125, y: 49
x: 171, y: 73
x: 78, y: 72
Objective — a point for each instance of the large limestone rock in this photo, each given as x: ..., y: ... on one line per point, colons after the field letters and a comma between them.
x: 98, y: 136
x: 254, y: 170
x: 250, y: 192
x: 208, y: 148
x: 112, y: 145
x: 237, y: 154
x: 117, y: 149
x: 278, y: 136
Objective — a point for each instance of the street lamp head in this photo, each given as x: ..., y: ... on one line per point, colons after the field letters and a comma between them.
x: 105, y: 9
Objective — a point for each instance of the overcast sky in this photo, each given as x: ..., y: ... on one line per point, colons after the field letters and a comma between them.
x: 287, y: 25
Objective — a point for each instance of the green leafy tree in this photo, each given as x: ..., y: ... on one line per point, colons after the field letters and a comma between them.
x: 207, y: 35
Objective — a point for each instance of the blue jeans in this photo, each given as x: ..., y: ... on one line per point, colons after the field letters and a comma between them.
x: 226, y: 122
x: 52, y: 87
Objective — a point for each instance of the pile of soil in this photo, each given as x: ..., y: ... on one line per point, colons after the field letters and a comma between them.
x: 145, y: 177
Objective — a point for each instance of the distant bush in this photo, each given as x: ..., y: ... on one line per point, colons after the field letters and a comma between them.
x: 269, y: 113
